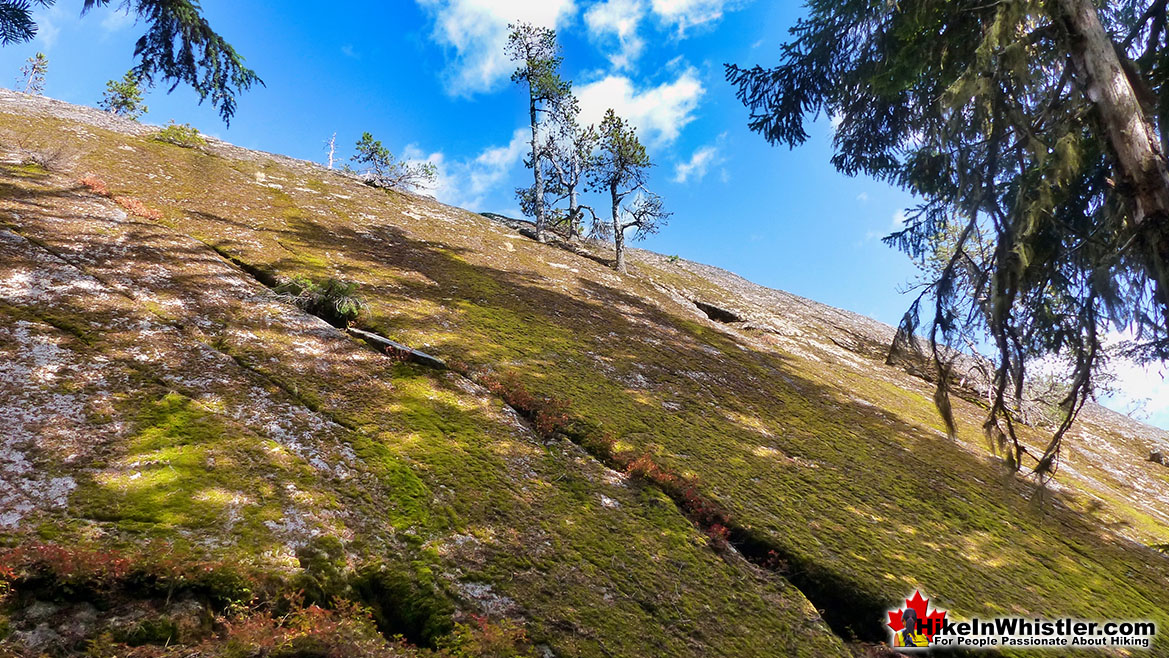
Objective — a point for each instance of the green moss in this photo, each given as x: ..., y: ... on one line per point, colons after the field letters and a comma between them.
x: 323, y: 575
x: 316, y: 185
x: 777, y: 438
x: 153, y: 630
x: 70, y: 323
x: 409, y: 506
x: 405, y: 602
x: 32, y: 170
x: 188, y: 469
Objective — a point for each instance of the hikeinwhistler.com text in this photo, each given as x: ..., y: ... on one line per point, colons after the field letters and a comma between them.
x: 1037, y: 633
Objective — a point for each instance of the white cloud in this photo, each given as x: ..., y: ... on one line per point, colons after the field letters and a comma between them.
x: 659, y: 113
x: 1140, y: 390
x: 697, y: 166
x: 685, y: 14
x: 477, y: 32
x: 494, y: 164
x: 896, y: 224
x: 52, y: 20
x: 117, y: 19
x: 466, y: 183
x: 619, y: 19
x: 49, y: 23
x: 863, y: 197
x: 47, y: 33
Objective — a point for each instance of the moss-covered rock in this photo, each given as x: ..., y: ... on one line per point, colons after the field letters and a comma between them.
x: 219, y: 416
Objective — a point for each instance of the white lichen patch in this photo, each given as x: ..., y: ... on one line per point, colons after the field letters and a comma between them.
x: 484, y: 597
x: 20, y: 285
x: 298, y: 525
x: 35, y: 417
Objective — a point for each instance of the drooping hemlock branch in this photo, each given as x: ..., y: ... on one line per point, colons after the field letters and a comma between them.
x: 1033, y: 131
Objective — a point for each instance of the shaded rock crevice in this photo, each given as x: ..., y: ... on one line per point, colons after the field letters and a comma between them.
x: 373, y: 339
x: 850, y: 611
x: 718, y: 313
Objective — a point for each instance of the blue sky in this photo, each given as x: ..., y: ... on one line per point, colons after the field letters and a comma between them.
x: 429, y: 78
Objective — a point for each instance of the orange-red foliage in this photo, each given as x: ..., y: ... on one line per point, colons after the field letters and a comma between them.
x: 137, y: 208
x: 95, y: 185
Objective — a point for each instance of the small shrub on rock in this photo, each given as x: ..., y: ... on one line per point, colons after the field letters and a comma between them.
x: 181, y: 134
x: 382, y: 169
x: 58, y: 156
x: 331, y: 300
x: 124, y: 97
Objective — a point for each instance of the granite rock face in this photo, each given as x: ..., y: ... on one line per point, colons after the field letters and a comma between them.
x: 673, y: 462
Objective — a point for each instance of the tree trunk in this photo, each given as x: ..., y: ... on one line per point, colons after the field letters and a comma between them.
x: 618, y: 235
x: 1143, y: 170
x: 573, y: 212
x: 538, y: 189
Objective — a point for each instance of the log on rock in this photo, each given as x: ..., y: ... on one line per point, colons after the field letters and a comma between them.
x: 395, y: 348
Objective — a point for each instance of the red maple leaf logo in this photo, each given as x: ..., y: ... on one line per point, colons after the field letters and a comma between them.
x: 931, y: 622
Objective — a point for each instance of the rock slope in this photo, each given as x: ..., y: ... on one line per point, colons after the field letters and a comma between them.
x: 609, y: 463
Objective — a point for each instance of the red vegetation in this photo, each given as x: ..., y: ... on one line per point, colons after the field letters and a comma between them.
x: 706, y: 513
x: 137, y: 208
x: 251, y: 618
x: 63, y: 564
x: 116, y: 574
x: 775, y: 562
x: 343, y: 631
x: 485, y: 638
x: 95, y: 185
x: 396, y: 354
x: 549, y: 414
x: 130, y: 204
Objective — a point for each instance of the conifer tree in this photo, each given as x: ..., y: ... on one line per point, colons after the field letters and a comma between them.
x: 538, y: 55
x: 179, y: 47
x: 124, y: 97
x: 1034, y: 131
x: 382, y: 169
x: 32, y: 74
x: 621, y: 169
